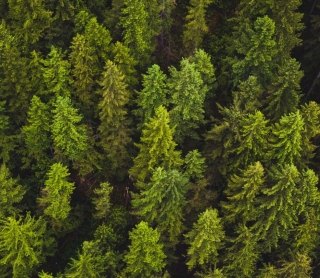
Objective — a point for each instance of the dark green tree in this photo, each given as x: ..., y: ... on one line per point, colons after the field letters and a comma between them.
x: 145, y: 257
x: 101, y: 200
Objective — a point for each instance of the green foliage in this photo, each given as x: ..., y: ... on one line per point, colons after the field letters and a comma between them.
x: 69, y: 136
x: 195, y: 27
x: 205, y: 239
x: 188, y: 96
x: 298, y: 267
x: 114, y: 126
x: 38, y: 123
x: 162, y: 202
x: 56, y: 195
x: 11, y: 193
x: 101, y: 200
x: 145, y: 257
x: 286, y: 139
x: 156, y: 147
x: 23, y: 244
x: 153, y: 94
x: 242, y: 191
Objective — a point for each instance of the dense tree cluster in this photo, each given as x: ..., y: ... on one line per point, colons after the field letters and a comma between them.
x: 148, y: 138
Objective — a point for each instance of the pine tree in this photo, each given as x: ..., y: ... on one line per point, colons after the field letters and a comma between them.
x: 286, y: 140
x: 89, y: 263
x: 298, y: 267
x: 11, y: 193
x: 195, y: 27
x: 162, y: 202
x: 56, y: 195
x: 156, y: 147
x: 36, y: 135
x: 56, y: 74
x: 188, y: 96
x: 137, y: 34
x: 283, y: 94
x: 204, y: 240
x: 7, y: 140
x: 153, y: 94
x: 23, y: 244
x: 69, y: 136
x: 114, y: 126
x: 242, y: 191
x: 242, y: 255
x: 145, y: 257
x: 101, y: 200
x: 277, y: 211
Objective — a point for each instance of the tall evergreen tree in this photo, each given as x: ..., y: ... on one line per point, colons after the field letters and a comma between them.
x: 162, y: 202
x: 145, y: 257
x: 205, y: 240
x: 11, y: 193
x: 101, y: 200
x: 114, y: 126
x: 156, y: 147
x: 69, y: 136
x: 56, y: 195
x: 24, y: 244
x: 195, y: 27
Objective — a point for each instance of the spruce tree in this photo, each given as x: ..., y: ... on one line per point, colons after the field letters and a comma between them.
x: 195, y: 27
x: 298, y: 267
x: 114, y: 126
x: 153, y: 94
x: 56, y: 195
x: 101, y: 200
x: 162, y: 202
x: 24, y: 244
x: 69, y: 135
x: 11, y: 193
x: 156, y: 147
x: 145, y: 257
x: 188, y: 96
x: 205, y: 240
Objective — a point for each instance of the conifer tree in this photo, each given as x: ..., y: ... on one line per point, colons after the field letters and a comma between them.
x: 101, y: 200
x: 153, y: 94
x: 145, y: 257
x: 89, y: 263
x: 69, y: 136
x: 7, y: 140
x: 36, y: 135
x: 162, y: 202
x: 242, y: 192
x: 11, y: 193
x: 56, y: 74
x: 23, y: 244
x: 123, y: 59
x: 286, y: 140
x: 188, y: 96
x: 114, y: 126
x: 204, y: 240
x: 277, y: 211
x: 195, y: 27
x: 55, y: 196
x: 156, y: 147
x: 137, y: 34
x: 298, y: 267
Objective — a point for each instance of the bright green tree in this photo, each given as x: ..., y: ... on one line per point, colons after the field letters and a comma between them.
x: 153, y: 94
x: 114, y: 127
x: 298, y: 267
x: 188, y: 96
x: 24, y: 244
x: 69, y: 135
x: 102, y: 201
x: 242, y: 192
x: 156, y: 147
x: 205, y: 240
x: 195, y: 27
x: 145, y: 257
x: 162, y: 202
x: 36, y: 134
x: 89, y: 263
x: 286, y: 139
x: 11, y: 193
x: 56, y: 194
